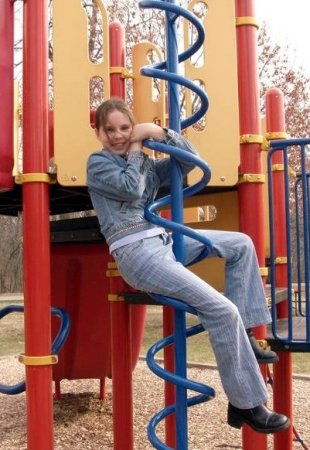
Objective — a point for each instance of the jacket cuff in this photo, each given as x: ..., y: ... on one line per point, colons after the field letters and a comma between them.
x: 171, y: 136
x: 135, y: 156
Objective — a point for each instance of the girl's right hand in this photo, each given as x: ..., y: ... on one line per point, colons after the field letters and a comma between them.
x: 143, y: 131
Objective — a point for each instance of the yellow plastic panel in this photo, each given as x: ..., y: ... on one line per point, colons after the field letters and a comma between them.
x: 218, y: 143
x: 74, y: 139
x: 145, y: 107
x: 227, y: 218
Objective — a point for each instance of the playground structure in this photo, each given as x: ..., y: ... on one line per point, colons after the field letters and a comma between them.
x: 67, y: 259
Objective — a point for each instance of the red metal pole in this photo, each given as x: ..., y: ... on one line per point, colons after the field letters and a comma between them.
x: 117, y: 59
x: 282, y: 373
x: 168, y: 329
x: 121, y: 357
x: 36, y: 227
x: 6, y: 94
x: 251, y: 211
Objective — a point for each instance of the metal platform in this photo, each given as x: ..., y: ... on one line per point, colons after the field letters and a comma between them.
x: 298, y: 343
x: 64, y: 200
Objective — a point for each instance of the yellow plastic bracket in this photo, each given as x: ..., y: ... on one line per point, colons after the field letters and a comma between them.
x: 280, y: 168
x: 33, y: 178
x: 247, y: 20
x: 252, y: 178
x: 122, y: 71
x: 276, y: 135
x: 112, y: 273
x: 263, y: 271
x: 265, y: 145
x: 115, y: 298
x: 262, y: 343
x: 271, y: 137
x: 38, y: 360
x: 251, y: 139
x: 281, y: 260
x: 277, y: 167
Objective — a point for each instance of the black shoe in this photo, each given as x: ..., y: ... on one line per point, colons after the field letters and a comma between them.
x: 260, y: 418
x: 262, y: 356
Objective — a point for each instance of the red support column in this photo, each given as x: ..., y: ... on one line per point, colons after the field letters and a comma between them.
x: 121, y: 343
x: 117, y: 59
x: 6, y: 94
x: 251, y: 211
x: 121, y: 358
x: 282, y: 373
x: 168, y: 329
x: 36, y: 227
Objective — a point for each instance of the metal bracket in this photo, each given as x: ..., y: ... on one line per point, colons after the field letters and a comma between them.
x: 272, y: 135
x: 280, y: 168
x: 39, y: 177
x: 251, y: 178
x: 124, y: 73
x: 281, y: 260
x: 38, y: 360
x: 115, y: 298
x: 247, y: 20
x: 263, y: 271
x: 251, y: 139
x: 262, y: 343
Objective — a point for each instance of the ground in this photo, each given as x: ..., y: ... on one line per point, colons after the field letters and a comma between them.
x: 82, y: 421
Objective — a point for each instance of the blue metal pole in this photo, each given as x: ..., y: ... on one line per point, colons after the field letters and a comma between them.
x: 177, y: 216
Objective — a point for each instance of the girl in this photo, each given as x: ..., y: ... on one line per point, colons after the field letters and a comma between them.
x: 122, y: 180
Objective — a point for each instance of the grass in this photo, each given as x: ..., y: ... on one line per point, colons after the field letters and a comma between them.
x: 11, y: 333
x: 198, y: 348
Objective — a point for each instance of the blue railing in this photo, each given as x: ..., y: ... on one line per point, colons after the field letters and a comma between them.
x: 59, y: 341
x: 296, y: 204
x: 168, y: 71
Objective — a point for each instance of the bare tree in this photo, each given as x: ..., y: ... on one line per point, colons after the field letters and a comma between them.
x: 10, y: 255
x: 277, y: 69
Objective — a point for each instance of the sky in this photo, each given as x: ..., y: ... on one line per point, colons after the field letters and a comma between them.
x: 288, y: 22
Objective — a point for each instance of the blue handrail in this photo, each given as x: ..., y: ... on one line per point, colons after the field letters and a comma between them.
x: 58, y: 342
x: 168, y: 71
x: 301, y: 190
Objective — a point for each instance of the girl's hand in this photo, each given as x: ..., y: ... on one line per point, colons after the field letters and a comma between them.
x: 147, y: 131
x: 135, y: 147
x: 103, y: 138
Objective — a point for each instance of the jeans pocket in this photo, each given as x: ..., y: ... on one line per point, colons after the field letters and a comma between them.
x: 120, y: 254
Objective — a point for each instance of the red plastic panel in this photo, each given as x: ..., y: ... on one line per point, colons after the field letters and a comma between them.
x: 80, y: 286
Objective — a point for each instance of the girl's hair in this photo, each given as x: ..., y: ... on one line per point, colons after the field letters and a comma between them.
x: 108, y: 106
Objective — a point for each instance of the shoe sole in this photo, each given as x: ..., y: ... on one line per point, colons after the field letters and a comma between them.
x: 235, y: 421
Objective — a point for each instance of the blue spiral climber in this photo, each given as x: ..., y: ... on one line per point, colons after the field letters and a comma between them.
x: 168, y: 71
x: 57, y: 344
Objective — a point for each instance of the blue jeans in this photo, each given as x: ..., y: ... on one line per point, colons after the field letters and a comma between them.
x: 149, y: 265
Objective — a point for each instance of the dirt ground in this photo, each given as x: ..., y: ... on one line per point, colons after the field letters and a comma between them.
x: 82, y: 421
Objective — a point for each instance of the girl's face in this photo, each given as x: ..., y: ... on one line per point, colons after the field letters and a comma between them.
x: 115, y: 134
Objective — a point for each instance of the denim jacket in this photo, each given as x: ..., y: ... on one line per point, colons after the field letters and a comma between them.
x: 121, y: 188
